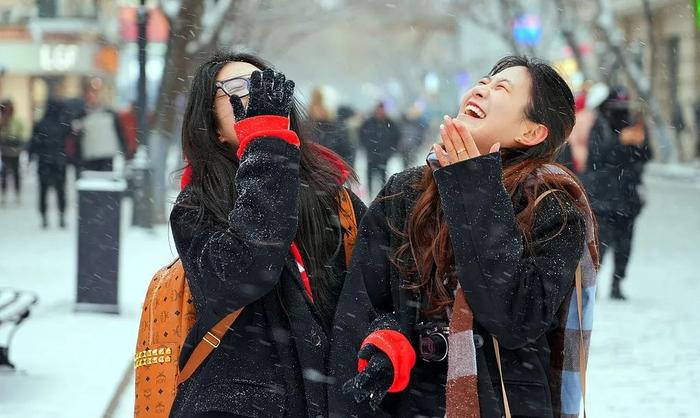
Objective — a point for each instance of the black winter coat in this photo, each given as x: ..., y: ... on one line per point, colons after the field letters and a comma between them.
x: 516, y: 294
x: 380, y: 138
x: 272, y: 362
x: 614, y: 171
x: 48, y: 145
x: 335, y: 136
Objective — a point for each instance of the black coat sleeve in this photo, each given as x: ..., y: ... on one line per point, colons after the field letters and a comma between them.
x: 371, y: 257
x: 239, y: 263
x: 514, y: 291
x: 366, y: 298
x: 119, y: 130
x: 603, y: 146
x: 36, y: 142
x: 365, y: 303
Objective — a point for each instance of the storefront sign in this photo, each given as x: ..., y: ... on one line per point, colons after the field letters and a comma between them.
x: 58, y: 57
x: 49, y: 58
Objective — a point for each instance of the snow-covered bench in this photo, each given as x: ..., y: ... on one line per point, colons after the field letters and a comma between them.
x: 14, y: 309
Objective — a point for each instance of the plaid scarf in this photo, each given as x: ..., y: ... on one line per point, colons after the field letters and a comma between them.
x: 462, y: 393
x: 569, y: 342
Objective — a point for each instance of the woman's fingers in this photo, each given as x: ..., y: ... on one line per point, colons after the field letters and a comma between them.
x: 256, y: 80
x: 441, y: 155
x: 280, y: 88
x: 495, y: 147
x: 467, y: 138
x: 448, y: 143
x: 238, y: 109
x: 268, y: 80
x: 462, y: 149
x: 288, y: 96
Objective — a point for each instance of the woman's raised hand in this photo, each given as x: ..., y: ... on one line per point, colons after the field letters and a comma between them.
x: 374, y: 381
x: 457, y: 143
x: 270, y: 94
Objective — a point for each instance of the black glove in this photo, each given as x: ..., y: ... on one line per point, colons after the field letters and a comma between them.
x: 270, y: 94
x: 375, y: 380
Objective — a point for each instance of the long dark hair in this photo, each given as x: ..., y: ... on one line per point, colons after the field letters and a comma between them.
x: 214, y: 166
x: 551, y: 104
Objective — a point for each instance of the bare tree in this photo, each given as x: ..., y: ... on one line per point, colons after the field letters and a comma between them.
x: 475, y: 12
x: 615, y: 42
x: 652, y: 44
x: 567, y: 17
x: 190, y: 38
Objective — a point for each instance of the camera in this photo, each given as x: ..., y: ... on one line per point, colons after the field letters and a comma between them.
x: 433, y: 341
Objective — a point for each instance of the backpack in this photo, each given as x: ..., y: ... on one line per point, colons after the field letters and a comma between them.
x: 168, y: 315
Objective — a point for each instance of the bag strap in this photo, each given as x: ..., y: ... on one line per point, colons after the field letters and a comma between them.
x: 506, y: 407
x: 582, y: 351
x: 213, y: 337
x: 582, y: 354
x: 581, y: 348
x: 349, y: 224
x: 496, y: 348
x: 207, y: 344
x: 543, y: 195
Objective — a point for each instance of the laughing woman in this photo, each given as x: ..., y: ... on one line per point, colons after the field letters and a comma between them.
x: 476, y: 250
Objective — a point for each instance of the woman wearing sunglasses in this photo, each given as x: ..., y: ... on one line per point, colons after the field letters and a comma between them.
x: 480, y: 245
x: 257, y: 227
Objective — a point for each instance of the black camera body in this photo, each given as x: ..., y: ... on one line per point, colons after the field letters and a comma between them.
x: 433, y: 341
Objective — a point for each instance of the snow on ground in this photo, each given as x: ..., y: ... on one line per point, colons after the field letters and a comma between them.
x: 645, y: 355
x: 69, y: 363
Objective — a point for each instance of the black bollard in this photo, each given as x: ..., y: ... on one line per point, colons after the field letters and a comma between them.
x: 99, y: 219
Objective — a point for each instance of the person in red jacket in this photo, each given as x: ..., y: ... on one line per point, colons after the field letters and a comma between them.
x: 256, y: 226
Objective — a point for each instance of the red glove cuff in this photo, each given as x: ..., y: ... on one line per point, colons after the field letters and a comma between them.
x: 250, y: 129
x: 399, y: 350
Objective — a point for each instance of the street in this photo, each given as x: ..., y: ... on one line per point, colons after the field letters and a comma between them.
x: 645, y: 355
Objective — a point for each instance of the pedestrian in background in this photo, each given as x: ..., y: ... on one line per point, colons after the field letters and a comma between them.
x: 12, y: 143
x: 342, y: 142
x: 129, y: 124
x: 617, y: 152
x: 379, y: 136
x: 697, y: 130
x: 326, y: 130
x: 413, y: 127
x: 48, y: 148
x: 101, y: 135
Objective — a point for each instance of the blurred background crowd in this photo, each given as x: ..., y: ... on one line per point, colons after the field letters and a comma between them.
x: 376, y: 77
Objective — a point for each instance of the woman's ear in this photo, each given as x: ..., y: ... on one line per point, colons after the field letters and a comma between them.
x: 534, y: 134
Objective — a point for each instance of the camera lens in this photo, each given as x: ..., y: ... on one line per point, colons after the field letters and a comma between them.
x: 433, y: 347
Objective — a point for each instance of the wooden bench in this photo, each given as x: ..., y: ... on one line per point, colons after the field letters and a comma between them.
x: 15, y: 306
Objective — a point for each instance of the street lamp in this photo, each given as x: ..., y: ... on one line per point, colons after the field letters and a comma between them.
x: 141, y: 168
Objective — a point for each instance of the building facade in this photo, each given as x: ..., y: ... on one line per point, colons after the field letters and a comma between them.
x: 676, y: 62
x: 54, y: 48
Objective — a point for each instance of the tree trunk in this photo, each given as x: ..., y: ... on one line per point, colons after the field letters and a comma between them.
x: 183, y: 29
x: 508, y: 16
x: 651, y: 41
x: 570, y: 37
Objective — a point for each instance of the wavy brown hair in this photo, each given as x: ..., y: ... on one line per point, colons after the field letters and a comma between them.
x: 427, y: 235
